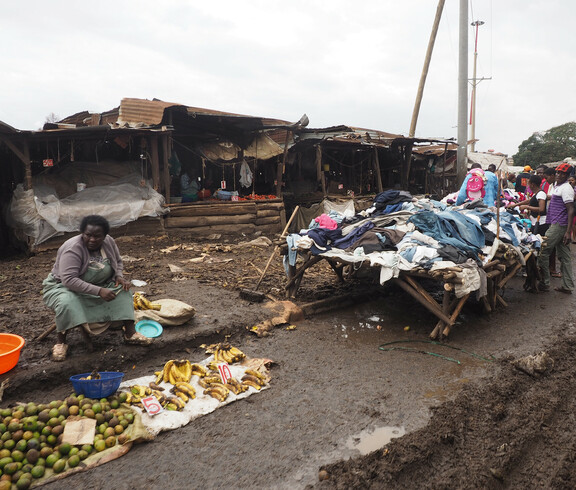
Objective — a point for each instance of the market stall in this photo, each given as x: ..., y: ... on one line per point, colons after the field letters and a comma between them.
x: 441, y: 255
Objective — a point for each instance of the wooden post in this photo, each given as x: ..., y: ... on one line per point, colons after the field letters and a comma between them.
x: 319, y: 172
x: 155, y: 162
x: 424, y: 74
x: 407, y: 165
x: 166, y: 151
x: 377, y: 171
x: 455, y: 313
x: 281, y: 166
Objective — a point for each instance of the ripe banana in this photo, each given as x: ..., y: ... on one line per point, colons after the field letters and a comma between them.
x: 142, y: 303
x: 160, y: 397
x: 237, y: 354
x: 154, y: 386
x: 253, y: 379
x: 177, y: 401
x: 198, y: 370
x: 257, y: 374
x: 175, y: 371
x: 235, y: 387
x: 186, y: 388
x: 213, y: 365
x: 166, y: 371
x: 251, y: 383
x: 215, y: 393
x: 140, y: 391
x: 180, y: 394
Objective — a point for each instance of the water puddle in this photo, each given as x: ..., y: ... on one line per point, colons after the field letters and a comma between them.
x: 372, y: 439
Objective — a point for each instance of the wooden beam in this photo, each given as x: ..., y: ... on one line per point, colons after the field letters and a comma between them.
x: 24, y: 157
x: 434, y: 309
x: 300, y: 271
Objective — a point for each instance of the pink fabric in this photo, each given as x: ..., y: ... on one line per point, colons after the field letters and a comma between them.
x: 325, y: 221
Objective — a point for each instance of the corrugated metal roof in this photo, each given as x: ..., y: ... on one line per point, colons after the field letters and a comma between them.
x: 142, y: 111
x: 151, y: 112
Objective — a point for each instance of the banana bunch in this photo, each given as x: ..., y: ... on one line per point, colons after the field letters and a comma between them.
x: 218, y: 391
x: 141, y: 303
x: 209, y: 380
x: 235, y: 386
x: 225, y: 352
x: 199, y: 370
x: 254, y: 379
x: 174, y: 403
x: 184, y: 391
x: 174, y: 372
x: 136, y: 393
x: 213, y: 365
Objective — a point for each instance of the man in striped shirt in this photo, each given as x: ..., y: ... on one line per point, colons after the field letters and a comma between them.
x: 560, y: 216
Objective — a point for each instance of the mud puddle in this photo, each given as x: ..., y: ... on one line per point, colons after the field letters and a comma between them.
x: 371, y: 439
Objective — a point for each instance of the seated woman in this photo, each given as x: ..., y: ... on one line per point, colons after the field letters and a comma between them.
x: 86, y: 288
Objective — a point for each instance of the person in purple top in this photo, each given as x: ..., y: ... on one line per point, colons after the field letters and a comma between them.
x: 560, y: 216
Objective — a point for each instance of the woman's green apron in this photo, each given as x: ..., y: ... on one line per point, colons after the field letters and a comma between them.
x: 74, y: 309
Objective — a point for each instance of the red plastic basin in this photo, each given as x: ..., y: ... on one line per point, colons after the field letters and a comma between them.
x: 10, y: 347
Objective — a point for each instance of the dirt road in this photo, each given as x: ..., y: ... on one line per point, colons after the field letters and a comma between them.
x: 491, y: 424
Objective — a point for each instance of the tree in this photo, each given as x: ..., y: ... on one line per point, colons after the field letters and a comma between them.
x: 552, y: 145
x: 52, y: 118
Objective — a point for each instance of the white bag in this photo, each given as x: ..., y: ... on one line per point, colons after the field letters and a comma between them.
x: 172, y: 313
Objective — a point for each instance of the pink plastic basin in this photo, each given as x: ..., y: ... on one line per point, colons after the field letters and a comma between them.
x: 10, y: 347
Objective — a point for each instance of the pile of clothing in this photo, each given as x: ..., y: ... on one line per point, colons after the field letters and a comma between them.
x: 400, y: 233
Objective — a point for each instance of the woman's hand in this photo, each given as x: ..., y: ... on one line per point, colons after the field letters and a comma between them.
x: 106, y: 294
x: 124, y: 282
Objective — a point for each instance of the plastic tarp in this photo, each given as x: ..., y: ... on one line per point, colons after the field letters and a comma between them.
x: 40, y: 214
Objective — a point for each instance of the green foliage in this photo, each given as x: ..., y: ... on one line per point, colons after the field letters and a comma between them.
x: 552, y: 145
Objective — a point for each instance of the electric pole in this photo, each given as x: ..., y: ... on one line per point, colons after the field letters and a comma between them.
x: 461, y: 165
x: 474, y: 81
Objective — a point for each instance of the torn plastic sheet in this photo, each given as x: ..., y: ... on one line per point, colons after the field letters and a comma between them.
x: 40, y: 214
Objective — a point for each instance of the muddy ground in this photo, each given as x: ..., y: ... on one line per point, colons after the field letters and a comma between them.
x: 478, y: 424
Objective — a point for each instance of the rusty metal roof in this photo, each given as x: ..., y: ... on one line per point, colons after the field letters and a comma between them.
x: 151, y: 112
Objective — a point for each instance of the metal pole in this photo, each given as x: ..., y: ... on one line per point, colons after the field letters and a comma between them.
x: 424, y: 74
x: 462, y: 94
x: 476, y: 23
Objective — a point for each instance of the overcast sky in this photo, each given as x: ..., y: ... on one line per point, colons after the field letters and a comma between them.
x: 340, y: 62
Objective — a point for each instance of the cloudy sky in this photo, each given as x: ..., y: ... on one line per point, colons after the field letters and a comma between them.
x: 340, y: 62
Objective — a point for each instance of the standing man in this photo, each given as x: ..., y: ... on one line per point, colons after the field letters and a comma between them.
x: 522, y: 179
x: 560, y: 216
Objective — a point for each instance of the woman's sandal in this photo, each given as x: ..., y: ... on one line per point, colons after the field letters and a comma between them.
x: 59, y: 352
x: 556, y: 274
x: 563, y: 290
x: 137, y: 339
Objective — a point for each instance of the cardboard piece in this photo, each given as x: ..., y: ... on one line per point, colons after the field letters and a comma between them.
x: 79, y: 431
